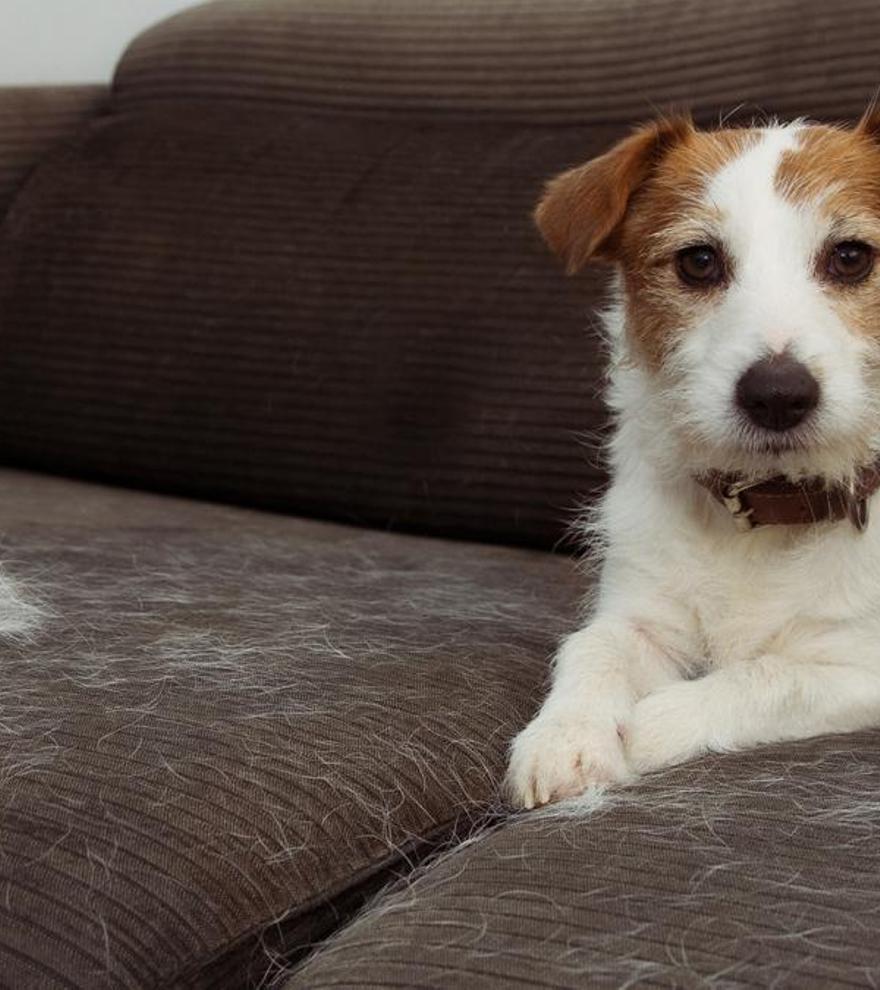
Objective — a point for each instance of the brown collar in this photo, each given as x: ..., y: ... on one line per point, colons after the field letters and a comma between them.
x: 778, y: 501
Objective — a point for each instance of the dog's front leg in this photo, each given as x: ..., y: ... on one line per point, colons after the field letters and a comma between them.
x: 770, y: 698
x: 577, y: 737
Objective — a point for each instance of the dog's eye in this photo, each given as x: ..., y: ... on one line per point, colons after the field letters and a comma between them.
x: 850, y: 261
x: 700, y: 265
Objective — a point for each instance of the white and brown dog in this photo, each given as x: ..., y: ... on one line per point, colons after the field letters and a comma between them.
x: 739, y: 599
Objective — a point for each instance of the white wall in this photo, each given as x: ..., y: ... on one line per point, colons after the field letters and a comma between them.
x: 64, y: 41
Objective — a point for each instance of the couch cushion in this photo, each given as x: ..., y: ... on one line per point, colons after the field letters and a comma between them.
x: 347, y: 319
x: 753, y: 870
x: 35, y: 118
x: 227, y: 727
x: 537, y: 61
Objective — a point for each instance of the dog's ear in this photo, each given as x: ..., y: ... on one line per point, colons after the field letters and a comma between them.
x: 581, y: 209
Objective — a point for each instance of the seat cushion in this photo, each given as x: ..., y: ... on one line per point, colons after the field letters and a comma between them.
x: 752, y: 870
x: 224, y: 728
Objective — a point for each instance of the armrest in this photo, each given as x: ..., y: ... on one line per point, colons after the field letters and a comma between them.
x: 32, y: 119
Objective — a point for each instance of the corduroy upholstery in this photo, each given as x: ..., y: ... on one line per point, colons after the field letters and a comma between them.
x: 351, y: 320
x: 290, y: 264
x: 568, y: 62
x: 33, y: 119
x: 756, y: 870
x: 227, y: 727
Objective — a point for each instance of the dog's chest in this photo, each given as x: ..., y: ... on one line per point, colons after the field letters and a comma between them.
x: 748, y: 594
x: 725, y: 596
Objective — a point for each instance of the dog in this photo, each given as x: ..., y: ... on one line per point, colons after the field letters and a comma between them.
x: 738, y: 601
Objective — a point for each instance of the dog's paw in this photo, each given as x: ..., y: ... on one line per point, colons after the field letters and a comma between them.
x: 667, y: 727
x: 560, y: 755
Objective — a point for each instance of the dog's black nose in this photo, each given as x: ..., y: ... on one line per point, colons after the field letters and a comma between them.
x: 777, y: 392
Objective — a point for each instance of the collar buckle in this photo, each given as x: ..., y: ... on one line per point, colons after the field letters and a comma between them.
x: 731, y: 499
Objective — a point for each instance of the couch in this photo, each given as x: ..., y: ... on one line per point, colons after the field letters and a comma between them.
x: 296, y: 415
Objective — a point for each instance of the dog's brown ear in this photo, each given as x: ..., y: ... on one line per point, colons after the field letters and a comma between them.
x: 581, y: 208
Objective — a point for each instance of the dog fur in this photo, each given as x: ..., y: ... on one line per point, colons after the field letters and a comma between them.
x: 702, y: 637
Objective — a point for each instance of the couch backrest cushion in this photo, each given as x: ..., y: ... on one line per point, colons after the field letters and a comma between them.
x: 345, y: 318
x: 35, y: 118
x: 578, y: 62
x: 294, y: 265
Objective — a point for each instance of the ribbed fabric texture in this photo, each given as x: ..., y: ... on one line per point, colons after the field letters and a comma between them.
x: 752, y: 870
x: 227, y: 728
x: 350, y: 319
x: 33, y: 120
x: 542, y: 61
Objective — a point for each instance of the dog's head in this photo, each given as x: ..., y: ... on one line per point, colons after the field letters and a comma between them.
x: 751, y: 298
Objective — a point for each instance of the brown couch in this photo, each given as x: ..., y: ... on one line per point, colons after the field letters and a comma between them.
x: 285, y: 263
